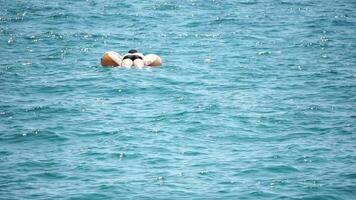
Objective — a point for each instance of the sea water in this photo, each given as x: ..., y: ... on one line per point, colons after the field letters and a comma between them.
x: 256, y: 99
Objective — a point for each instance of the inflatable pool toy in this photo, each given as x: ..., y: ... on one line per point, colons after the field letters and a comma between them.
x: 132, y: 58
x: 111, y: 58
x: 152, y: 60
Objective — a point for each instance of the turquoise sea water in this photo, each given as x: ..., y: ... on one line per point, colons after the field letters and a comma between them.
x: 256, y: 100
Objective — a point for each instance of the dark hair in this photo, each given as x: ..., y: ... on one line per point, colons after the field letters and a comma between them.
x: 133, y: 51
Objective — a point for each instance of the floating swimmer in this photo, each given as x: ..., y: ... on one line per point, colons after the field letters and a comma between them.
x: 132, y: 58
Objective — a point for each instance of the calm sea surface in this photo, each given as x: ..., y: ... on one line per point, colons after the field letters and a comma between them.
x: 256, y: 100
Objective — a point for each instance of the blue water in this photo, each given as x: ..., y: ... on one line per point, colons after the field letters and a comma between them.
x: 256, y: 99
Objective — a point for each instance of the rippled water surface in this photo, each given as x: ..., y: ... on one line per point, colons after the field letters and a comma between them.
x: 256, y: 100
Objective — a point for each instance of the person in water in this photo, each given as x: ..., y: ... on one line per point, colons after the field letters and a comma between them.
x: 131, y: 58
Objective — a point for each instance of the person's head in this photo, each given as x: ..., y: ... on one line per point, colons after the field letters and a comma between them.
x: 133, y: 51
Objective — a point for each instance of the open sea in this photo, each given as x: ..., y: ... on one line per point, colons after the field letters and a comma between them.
x: 256, y: 99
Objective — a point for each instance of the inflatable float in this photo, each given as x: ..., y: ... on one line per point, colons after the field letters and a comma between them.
x: 132, y: 58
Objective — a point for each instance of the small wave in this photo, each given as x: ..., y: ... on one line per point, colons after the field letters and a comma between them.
x: 280, y: 169
x: 36, y: 135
